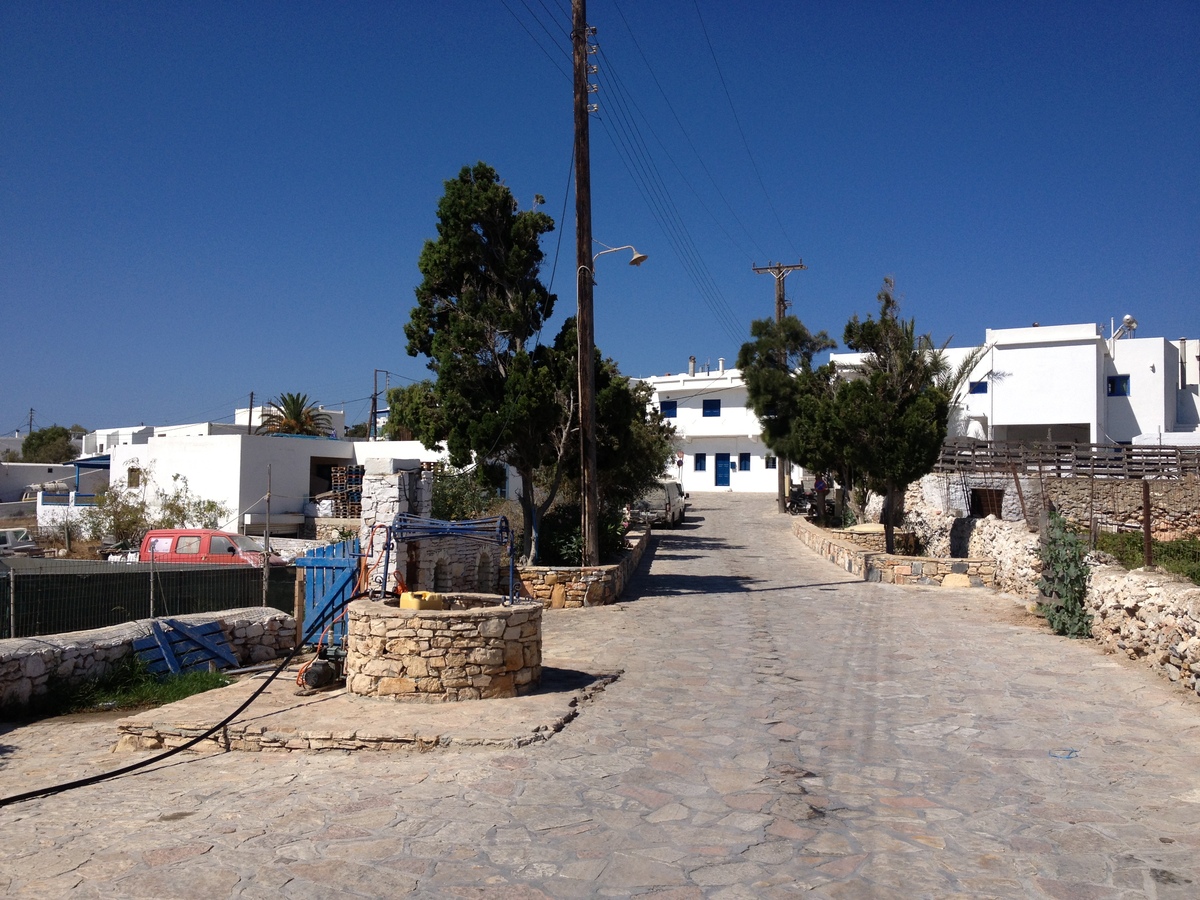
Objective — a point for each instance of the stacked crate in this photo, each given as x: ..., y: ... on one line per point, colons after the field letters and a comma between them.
x: 347, y: 491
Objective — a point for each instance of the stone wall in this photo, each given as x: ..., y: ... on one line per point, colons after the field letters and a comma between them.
x: 1011, y: 546
x: 255, y: 634
x: 435, y: 656
x: 458, y: 564
x: 388, y: 490
x: 1112, y: 503
x: 570, y: 587
x: 873, y: 566
x: 1117, y: 504
x: 1148, y: 614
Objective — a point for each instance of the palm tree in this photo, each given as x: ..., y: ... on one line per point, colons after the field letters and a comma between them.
x: 293, y: 414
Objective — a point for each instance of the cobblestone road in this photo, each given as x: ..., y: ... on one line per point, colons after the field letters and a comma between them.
x: 778, y: 730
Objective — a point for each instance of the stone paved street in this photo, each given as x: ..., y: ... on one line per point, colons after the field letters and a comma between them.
x: 777, y: 730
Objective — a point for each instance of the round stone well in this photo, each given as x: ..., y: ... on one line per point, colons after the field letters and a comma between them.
x: 477, y: 648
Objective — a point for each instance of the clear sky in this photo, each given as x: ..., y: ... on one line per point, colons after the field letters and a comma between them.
x: 200, y: 200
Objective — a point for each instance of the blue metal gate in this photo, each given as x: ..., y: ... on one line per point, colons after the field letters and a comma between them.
x: 330, y: 576
x: 722, y: 470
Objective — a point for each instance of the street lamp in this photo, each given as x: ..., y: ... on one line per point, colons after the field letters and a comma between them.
x: 590, y: 525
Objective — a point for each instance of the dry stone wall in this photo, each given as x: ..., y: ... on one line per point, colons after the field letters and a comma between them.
x: 1148, y: 614
x: 892, y: 569
x: 942, y: 533
x: 255, y: 634
x: 571, y: 587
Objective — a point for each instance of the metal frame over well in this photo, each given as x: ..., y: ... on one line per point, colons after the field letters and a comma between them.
x: 492, y: 530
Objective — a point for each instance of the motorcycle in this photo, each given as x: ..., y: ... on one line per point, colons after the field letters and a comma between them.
x: 805, y: 503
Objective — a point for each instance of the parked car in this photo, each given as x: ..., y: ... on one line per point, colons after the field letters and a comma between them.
x: 663, y: 505
x: 201, y: 545
x: 17, y: 542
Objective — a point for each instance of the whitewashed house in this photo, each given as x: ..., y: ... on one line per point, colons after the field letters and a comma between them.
x: 1069, y: 384
x: 718, y: 437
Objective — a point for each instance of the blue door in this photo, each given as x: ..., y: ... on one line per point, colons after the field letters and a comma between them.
x: 722, y: 470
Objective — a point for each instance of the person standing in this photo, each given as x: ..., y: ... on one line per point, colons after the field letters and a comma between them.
x: 821, y: 487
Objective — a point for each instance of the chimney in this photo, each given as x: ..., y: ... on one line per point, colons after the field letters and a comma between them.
x: 691, y: 365
x: 721, y: 365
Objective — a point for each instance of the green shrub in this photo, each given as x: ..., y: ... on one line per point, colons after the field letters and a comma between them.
x: 1181, y: 557
x: 127, y: 685
x: 560, y: 542
x: 1064, y: 580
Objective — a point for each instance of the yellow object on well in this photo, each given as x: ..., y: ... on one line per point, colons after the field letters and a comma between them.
x: 420, y: 600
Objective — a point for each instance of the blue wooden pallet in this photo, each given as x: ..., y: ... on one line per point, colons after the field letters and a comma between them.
x: 173, y: 646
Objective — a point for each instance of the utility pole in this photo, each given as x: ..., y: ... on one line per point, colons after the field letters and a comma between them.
x: 250, y: 416
x: 30, y: 420
x: 374, y: 406
x: 780, y: 271
x: 585, y: 326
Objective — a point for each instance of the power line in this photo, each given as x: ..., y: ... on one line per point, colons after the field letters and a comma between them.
x: 639, y: 163
x: 688, y: 138
x: 533, y: 37
x: 741, y: 132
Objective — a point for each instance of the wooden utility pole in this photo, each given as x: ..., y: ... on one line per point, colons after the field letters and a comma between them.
x: 374, y: 405
x: 780, y: 271
x: 584, y: 323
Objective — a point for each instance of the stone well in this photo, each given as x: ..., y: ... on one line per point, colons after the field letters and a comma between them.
x: 476, y: 649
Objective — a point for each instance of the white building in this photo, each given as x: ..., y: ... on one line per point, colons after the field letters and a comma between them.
x: 1069, y: 384
x: 718, y: 437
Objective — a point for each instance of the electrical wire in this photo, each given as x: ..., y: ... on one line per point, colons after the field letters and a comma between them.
x: 565, y: 72
x: 691, y: 145
x: 745, y: 143
x: 631, y: 149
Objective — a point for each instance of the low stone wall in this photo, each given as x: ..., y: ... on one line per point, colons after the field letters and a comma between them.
x: 872, y: 537
x: 434, y: 656
x: 255, y: 634
x: 570, y: 587
x: 1148, y: 614
x: 891, y: 569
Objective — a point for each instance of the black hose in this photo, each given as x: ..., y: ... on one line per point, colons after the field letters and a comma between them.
x: 133, y: 767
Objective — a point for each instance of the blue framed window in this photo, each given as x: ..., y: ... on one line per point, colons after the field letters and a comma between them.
x: 1118, y: 385
x: 700, y: 462
x: 669, y: 409
x: 978, y: 387
x: 743, y: 462
x: 712, y: 409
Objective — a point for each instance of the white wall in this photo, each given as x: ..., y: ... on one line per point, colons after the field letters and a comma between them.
x: 1045, y: 377
x: 1152, y: 365
x: 15, y: 476
x: 232, y: 469
x: 102, y: 441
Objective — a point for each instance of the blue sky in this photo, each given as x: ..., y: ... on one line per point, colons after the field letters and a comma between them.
x: 200, y: 200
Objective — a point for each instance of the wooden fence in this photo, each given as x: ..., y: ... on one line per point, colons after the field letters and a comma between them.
x: 1070, y: 460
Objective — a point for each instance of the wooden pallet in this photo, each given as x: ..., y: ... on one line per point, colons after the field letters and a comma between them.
x: 173, y: 646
